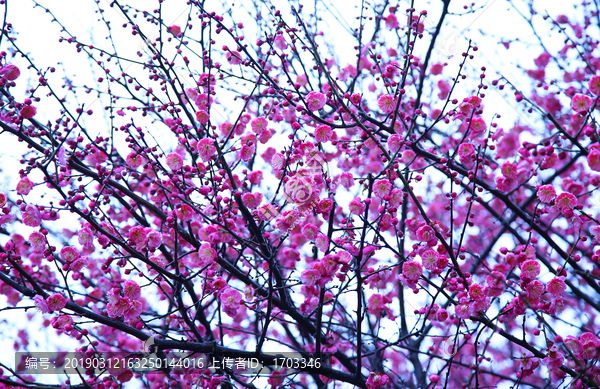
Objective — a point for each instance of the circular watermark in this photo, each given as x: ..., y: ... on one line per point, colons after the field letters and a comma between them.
x: 148, y: 45
x: 453, y: 44
x: 448, y: 348
x: 148, y: 348
x: 595, y: 199
x: 299, y: 190
x: 4, y: 186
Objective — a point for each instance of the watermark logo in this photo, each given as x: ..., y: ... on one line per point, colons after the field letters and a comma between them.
x: 448, y: 348
x: 300, y: 191
x: 149, y: 45
x: 453, y: 44
x: 149, y: 347
x: 4, y: 186
x: 595, y: 199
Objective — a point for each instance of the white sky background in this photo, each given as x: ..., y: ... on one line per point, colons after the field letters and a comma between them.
x: 494, y: 21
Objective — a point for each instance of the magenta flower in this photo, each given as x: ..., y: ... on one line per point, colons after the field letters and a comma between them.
x: 310, y: 231
x: 37, y: 241
x: 259, y: 125
x: 581, y: 103
x: 477, y: 128
x: 566, y: 201
x: 231, y: 301
x: 184, y: 212
x: 131, y: 290
x: 85, y: 237
x: 32, y: 217
x: 206, y: 149
x: 133, y: 310
x: 135, y: 160
x: 595, y: 85
x: 530, y: 269
x: 466, y: 150
x: 386, y: 104
x: 425, y: 233
x: 28, y: 111
x: 315, y: 101
x: 323, y: 133
x: 382, y: 188
x: 593, y: 159
x: 207, y: 255
x: 310, y: 277
x: 463, y: 311
x: 137, y: 236
x: 430, y: 259
x: 202, y: 117
x: 356, y: 206
x: 322, y: 242
x: 174, y: 161
x: 154, y: 240
x: 377, y: 303
x: 118, y: 307
x: 175, y: 30
x: 535, y: 289
x: 41, y: 304
x: 476, y: 292
x: 509, y: 170
x: 412, y: 270
x: 69, y: 254
x: 56, y: 302
x: 377, y: 380
x: 10, y: 72
x: 556, y: 286
x: 546, y: 193
x: 24, y: 186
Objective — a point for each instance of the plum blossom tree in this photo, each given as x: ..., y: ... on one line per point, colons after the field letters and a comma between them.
x: 235, y: 185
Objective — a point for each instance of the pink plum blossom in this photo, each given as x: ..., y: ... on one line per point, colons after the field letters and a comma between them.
x: 566, y: 201
x: 69, y: 254
x: 56, y: 302
x: 477, y: 127
x: 386, y: 103
x: 41, y: 304
x: 593, y: 159
x: 310, y: 276
x: 207, y: 254
x: 594, y: 85
x: 425, y: 233
x: 131, y: 290
x: 430, y: 259
x: 10, y: 72
x: 581, y: 103
x: 24, y: 186
x: 32, y: 217
x: 174, y: 161
x: 377, y: 380
x: 259, y: 125
x: 556, y: 286
x: 382, y: 188
x: 28, y: 111
x: 412, y: 270
x: 202, y: 117
x: 231, y: 301
x: 546, y: 193
x: 530, y: 269
x: 323, y: 133
x: 206, y: 149
x: 315, y: 101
